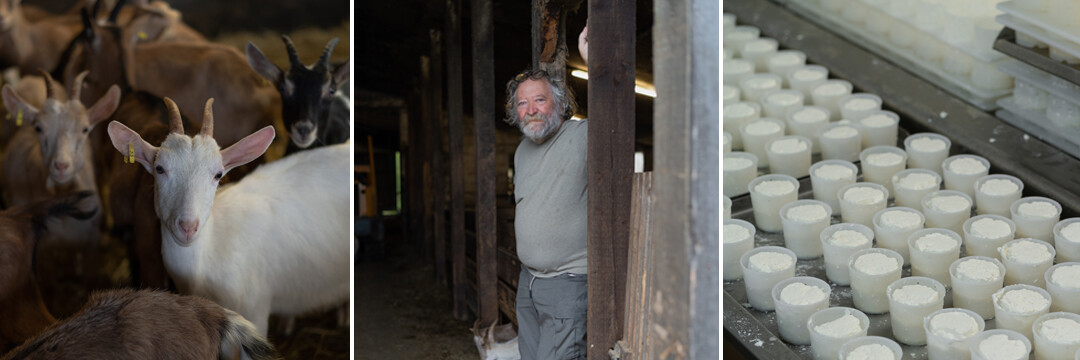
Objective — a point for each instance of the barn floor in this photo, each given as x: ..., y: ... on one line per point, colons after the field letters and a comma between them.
x: 401, y: 313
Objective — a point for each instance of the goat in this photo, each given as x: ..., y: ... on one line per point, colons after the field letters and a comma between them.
x: 139, y: 23
x: 33, y: 45
x: 275, y: 242
x: 126, y: 324
x: 48, y: 156
x: 496, y: 342
x: 21, y: 307
x: 188, y: 72
x: 312, y: 107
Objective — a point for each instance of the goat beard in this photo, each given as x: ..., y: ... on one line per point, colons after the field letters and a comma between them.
x: 539, y: 133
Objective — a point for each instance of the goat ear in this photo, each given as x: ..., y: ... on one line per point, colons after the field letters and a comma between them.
x: 104, y: 106
x: 262, y: 65
x: 14, y: 103
x: 247, y: 149
x: 340, y: 75
x: 121, y: 136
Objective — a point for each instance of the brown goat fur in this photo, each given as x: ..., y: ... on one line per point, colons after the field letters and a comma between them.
x: 21, y: 306
x: 131, y: 199
x: 127, y: 324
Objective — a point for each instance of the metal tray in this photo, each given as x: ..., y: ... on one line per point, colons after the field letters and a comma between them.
x: 1045, y: 170
x: 758, y: 329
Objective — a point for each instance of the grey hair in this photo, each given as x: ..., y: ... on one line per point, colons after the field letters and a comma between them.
x: 563, y: 96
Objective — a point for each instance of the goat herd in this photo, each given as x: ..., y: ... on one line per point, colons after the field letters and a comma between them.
x: 269, y: 238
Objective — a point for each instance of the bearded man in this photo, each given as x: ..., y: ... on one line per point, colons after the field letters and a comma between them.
x: 551, y: 196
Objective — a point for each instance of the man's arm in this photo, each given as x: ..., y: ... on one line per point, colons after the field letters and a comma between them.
x: 583, y: 43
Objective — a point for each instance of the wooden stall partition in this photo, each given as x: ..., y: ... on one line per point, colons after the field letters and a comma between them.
x: 611, y: 166
x: 637, y: 267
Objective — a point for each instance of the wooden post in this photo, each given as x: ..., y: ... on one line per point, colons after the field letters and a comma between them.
x: 414, y: 169
x: 684, y: 289
x: 549, y: 49
x: 438, y: 187
x: 425, y: 131
x: 457, y: 157
x: 611, y: 166
x: 484, y: 117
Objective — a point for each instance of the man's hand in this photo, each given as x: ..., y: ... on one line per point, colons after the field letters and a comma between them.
x: 583, y: 43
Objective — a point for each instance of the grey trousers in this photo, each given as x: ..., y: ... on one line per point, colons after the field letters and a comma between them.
x: 552, y: 314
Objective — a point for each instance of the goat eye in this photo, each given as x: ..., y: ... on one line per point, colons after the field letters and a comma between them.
x: 38, y: 129
x: 159, y: 169
x: 86, y: 130
x: 217, y: 176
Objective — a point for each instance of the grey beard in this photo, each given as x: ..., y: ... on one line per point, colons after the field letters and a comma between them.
x: 549, y: 126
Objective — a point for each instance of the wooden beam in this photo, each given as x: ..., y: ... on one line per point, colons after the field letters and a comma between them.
x: 457, y: 156
x: 684, y: 289
x: 611, y: 166
x: 438, y: 187
x: 484, y: 119
x: 413, y: 176
x: 426, y: 148
x: 549, y: 50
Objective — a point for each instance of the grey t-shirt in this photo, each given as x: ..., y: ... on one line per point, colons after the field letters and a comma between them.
x: 551, y: 192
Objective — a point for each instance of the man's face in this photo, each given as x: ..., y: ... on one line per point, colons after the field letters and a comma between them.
x: 536, y: 110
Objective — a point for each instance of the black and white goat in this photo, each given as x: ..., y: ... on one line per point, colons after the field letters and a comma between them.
x: 313, y: 108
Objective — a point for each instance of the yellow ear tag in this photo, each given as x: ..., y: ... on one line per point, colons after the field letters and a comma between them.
x: 142, y: 35
x: 266, y: 82
x: 18, y: 118
x: 131, y: 154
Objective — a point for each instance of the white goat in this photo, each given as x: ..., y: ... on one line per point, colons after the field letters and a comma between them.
x: 496, y: 342
x: 275, y: 242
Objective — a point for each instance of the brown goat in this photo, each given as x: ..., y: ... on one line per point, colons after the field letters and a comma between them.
x: 126, y: 324
x: 33, y: 45
x: 21, y: 307
x: 188, y: 72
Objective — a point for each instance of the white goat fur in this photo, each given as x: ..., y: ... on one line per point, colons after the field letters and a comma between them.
x: 275, y: 242
x: 496, y: 342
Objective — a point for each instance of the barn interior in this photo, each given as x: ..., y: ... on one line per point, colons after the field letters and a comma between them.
x: 415, y: 296
x: 311, y: 24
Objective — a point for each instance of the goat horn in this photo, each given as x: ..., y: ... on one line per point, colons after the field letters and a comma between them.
x: 208, y: 119
x: 176, y: 124
x: 491, y: 332
x: 324, y: 60
x: 76, y: 90
x: 294, y: 58
x: 50, y: 84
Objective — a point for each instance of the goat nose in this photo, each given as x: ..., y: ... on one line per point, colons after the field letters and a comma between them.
x: 189, y: 226
x: 303, y: 129
x: 61, y: 166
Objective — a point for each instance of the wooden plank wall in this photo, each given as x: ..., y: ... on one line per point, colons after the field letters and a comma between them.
x: 611, y: 166
x: 637, y: 269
